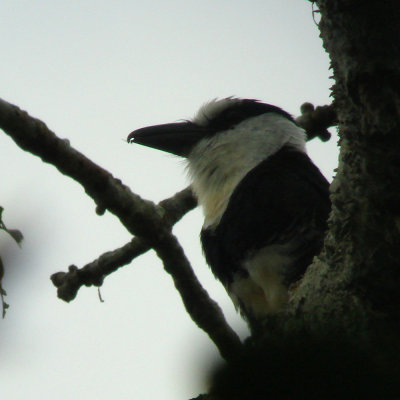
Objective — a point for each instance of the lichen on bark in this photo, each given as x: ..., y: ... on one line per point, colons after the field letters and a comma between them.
x: 359, y: 271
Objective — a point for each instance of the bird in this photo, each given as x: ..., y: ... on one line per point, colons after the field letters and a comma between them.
x: 265, y: 203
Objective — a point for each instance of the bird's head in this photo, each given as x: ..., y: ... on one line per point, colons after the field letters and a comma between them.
x: 215, y: 118
x: 222, y: 143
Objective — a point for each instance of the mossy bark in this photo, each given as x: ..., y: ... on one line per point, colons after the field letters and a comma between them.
x: 357, y: 277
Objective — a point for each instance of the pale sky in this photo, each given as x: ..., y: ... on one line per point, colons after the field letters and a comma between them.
x: 93, y: 71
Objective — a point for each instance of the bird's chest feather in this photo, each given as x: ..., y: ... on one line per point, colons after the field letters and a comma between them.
x: 214, y: 197
x: 259, y: 287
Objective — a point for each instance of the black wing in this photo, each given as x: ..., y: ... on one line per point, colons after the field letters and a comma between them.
x: 284, y: 199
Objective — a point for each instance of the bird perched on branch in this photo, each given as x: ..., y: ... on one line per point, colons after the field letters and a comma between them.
x: 265, y: 203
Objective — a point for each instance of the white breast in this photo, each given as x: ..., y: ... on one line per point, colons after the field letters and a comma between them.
x: 262, y: 291
x: 217, y: 164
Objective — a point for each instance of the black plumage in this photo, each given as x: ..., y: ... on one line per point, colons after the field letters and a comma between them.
x: 240, y: 111
x: 284, y: 199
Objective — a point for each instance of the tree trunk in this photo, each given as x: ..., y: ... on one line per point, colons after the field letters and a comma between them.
x: 357, y: 279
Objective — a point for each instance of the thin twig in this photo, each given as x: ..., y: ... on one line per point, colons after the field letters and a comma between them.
x: 68, y: 283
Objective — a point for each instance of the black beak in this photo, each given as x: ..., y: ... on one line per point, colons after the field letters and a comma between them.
x: 177, y: 138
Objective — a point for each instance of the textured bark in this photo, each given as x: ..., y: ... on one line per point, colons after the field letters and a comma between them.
x: 357, y: 278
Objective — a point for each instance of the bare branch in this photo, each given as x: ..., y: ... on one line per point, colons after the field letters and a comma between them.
x: 316, y: 121
x: 140, y: 217
x: 68, y: 283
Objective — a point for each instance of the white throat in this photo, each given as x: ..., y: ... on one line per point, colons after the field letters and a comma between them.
x: 217, y: 164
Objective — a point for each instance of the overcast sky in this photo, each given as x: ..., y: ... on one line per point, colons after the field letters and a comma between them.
x: 93, y: 71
